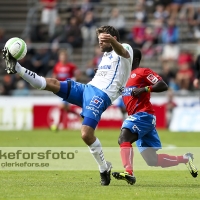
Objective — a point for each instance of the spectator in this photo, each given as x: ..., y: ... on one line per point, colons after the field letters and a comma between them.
x: 170, y: 52
x: 185, y: 76
x: 160, y: 12
x: 165, y: 3
x: 194, y: 23
x: 117, y: 20
x: 93, y: 63
x: 138, y: 34
x: 88, y: 29
x: 26, y: 61
x: 21, y: 89
x: 185, y: 72
x: 170, y: 33
x: 140, y: 13
x: 73, y: 34
x: 169, y: 75
x: 39, y: 33
x: 63, y: 68
x: 148, y: 48
x: 40, y: 61
x: 86, y: 6
x: 187, y: 10
x: 157, y: 29
x: 8, y: 85
x: 49, y: 14
x: 59, y: 29
x: 74, y: 10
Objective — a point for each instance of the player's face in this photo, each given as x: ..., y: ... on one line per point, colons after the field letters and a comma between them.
x: 104, y: 46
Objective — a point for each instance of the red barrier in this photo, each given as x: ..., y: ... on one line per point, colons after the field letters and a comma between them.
x: 44, y: 116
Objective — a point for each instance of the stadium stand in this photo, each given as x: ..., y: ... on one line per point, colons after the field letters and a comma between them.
x: 23, y: 19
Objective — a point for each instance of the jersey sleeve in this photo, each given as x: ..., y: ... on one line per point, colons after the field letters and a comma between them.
x: 129, y: 49
x: 151, y: 77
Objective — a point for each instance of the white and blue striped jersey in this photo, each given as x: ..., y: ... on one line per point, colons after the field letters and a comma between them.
x: 113, y: 73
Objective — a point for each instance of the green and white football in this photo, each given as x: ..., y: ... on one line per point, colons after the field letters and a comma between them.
x: 17, y: 47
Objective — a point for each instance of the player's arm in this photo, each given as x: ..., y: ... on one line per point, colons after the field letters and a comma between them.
x: 160, y: 86
x: 117, y: 47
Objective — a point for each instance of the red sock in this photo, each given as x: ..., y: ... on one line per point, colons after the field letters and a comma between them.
x: 165, y: 160
x: 127, y: 156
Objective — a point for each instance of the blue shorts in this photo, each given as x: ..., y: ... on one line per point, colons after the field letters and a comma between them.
x: 92, y: 100
x: 143, y: 124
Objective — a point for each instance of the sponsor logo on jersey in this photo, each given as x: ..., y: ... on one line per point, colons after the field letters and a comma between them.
x: 96, y: 102
x: 152, y: 78
x: 127, y: 91
x: 105, y: 67
x: 101, y: 73
x: 93, y: 109
x: 133, y: 75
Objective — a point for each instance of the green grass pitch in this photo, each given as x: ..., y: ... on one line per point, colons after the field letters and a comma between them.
x: 77, y: 185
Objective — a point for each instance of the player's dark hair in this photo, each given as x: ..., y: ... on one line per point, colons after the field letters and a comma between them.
x: 109, y: 30
x: 137, y: 56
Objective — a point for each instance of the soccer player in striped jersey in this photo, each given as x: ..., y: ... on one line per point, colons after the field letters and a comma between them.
x: 94, y: 97
x: 140, y: 124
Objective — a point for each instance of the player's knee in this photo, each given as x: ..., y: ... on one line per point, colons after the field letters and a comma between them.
x: 85, y: 137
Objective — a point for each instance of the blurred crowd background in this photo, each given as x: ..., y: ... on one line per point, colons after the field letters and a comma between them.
x: 62, y: 43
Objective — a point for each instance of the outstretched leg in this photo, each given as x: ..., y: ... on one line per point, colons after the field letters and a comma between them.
x: 165, y: 160
x: 38, y: 82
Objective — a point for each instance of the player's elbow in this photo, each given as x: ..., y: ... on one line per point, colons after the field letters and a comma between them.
x: 163, y: 86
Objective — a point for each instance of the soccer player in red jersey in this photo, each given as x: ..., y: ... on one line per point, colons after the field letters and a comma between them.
x: 62, y: 71
x: 140, y: 124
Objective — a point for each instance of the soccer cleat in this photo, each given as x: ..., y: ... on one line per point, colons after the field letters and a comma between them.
x: 10, y: 62
x: 105, y: 176
x: 124, y: 176
x: 190, y: 165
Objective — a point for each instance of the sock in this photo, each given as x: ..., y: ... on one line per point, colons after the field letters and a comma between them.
x: 97, y: 152
x: 36, y: 81
x: 127, y: 156
x: 165, y: 160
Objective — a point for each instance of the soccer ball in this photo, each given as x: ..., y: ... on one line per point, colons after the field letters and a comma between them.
x: 17, y: 47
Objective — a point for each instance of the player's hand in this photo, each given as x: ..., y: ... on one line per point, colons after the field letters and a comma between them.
x: 107, y: 38
x: 196, y: 83
x: 137, y: 92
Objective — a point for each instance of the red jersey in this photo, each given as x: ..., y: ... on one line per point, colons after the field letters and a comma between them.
x: 64, y: 71
x: 140, y: 77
